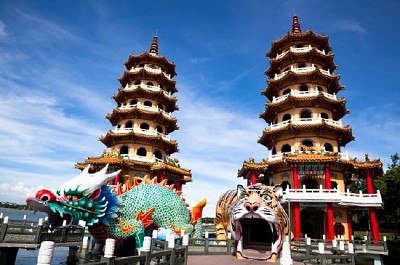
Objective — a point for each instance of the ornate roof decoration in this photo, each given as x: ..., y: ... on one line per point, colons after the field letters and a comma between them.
x: 154, y: 45
x: 296, y: 25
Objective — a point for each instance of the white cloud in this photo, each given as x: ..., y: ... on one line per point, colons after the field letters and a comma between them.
x: 3, y: 32
x: 353, y: 26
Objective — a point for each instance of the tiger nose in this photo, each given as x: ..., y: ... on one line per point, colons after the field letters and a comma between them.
x: 251, y: 207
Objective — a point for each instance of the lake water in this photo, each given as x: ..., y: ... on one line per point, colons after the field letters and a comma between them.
x: 29, y: 257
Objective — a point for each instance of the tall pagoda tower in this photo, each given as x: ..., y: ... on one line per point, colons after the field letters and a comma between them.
x: 304, y: 137
x: 139, y: 143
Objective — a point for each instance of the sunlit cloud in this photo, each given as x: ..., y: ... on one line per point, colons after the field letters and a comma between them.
x: 353, y: 26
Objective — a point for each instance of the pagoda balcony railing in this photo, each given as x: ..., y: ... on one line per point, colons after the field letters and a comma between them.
x: 150, y: 69
x: 279, y: 156
x: 301, y: 70
x: 142, y: 158
x: 303, y: 121
x: 144, y: 107
x: 309, y: 93
x: 142, y: 131
x: 147, y: 87
x: 333, y: 195
x: 298, y: 50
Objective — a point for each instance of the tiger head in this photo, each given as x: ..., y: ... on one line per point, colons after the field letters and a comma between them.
x: 261, y: 202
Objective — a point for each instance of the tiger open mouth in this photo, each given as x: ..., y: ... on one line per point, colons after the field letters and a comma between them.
x: 268, y: 235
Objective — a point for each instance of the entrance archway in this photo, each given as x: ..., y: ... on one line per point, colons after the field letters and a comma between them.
x: 312, y: 222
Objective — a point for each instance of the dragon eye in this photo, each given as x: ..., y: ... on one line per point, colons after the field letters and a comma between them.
x: 46, y: 196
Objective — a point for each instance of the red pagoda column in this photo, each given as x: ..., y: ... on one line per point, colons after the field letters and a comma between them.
x: 372, y: 212
x: 178, y: 185
x: 329, y: 210
x: 161, y: 177
x: 349, y: 225
x: 296, y: 205
x: 253, y: 178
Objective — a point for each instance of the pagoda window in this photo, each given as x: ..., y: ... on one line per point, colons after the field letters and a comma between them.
x: 158, y: 154
x: 275, y: 121
x: 137, y: 83
x: 286, y: 148
x: 305, y: 114
x: 285, y: 185
x: 149, y: 84
x: 324, y: 115
x: 273, y: 150
x: 303, y: 88
x: 144, y: 126
x: 118, y: 126
x: 148, y: 103
x: 328, y: 147
x: 124, y: 150
x: 287, y: 117
x: 141, y: 65
x: 287, y: 91
x: 141, y: 151
x: 133, y: 102
x: 159, y: 129
x: 301, y: 65
x: 299, y: 45
x: 320, y: 89
x: 129, y: 125
x: 307, y: 143
x: 286, y: 69
x: 160, y: 107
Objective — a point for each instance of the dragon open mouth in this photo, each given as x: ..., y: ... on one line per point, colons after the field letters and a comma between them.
x: 258, y: 238
x: 54, y: 212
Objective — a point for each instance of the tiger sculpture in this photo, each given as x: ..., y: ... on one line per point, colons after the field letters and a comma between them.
x: 256, y: 201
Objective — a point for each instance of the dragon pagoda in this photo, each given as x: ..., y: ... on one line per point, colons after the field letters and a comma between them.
x: 305, y: 136
x: 139, y: 144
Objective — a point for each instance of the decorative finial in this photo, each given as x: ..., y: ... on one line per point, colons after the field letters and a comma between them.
x: 154, y: 45
x: 296, y: 25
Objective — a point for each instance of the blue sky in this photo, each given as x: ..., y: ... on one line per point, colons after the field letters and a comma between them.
x: 60, y: 60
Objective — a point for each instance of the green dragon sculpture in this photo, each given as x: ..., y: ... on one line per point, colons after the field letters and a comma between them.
x: 118, y: 212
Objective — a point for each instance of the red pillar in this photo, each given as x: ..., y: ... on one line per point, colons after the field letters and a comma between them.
x: 253, y: 179
x: 178, y: 185
x: 161, y: 176
x: 330, y: 234
x: 349, y: 225
x: 296, y: 205
x: 372, y: 211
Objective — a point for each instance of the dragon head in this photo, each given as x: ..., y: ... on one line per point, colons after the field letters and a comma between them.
x: 85, y: 197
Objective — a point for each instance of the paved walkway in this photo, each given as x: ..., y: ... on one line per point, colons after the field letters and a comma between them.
x: 226, y: 260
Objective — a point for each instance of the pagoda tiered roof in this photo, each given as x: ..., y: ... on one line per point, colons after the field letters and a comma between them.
x: 118, y: 114
x: 351, y: 164
x: 169, y: 102
x: 343, y: 134
x: 130, y: 163
x: 151, y: 58
x: 331, y: 81
x: 309, y: 37
x: 318, y: 99
x: 130, y: 76
x: 313, y: 55
x: 159, y: 141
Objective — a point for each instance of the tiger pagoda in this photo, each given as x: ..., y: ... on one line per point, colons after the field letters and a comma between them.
x: 139, y: 143
x: 305, y: 136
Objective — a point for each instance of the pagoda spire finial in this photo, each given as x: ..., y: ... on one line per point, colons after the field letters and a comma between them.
x: 296, y: 25
x: 154, y: 45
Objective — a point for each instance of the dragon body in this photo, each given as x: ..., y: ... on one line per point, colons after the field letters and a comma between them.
x: 118, y: 212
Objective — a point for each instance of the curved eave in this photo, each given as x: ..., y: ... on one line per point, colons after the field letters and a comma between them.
x: 291, y: 78
x: 185, y: 173
x: 313, y: 56
x: 343, y: 134
x: 147, y: 57
x: 128, y: 77
x: 337, y: 106
x: 111, y: 138
x: 124, y: 95
x: 118, y: 114
x: 123, y: 163
x: 308, y: 37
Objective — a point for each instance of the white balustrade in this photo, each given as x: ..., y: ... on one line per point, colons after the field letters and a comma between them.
x: 144, y: 107
x: 299, y: 50
x: 151, y: 70
x: 295, y: 93
x: 302, y: 121
x: 147, y: 87
x: 142, y: 131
